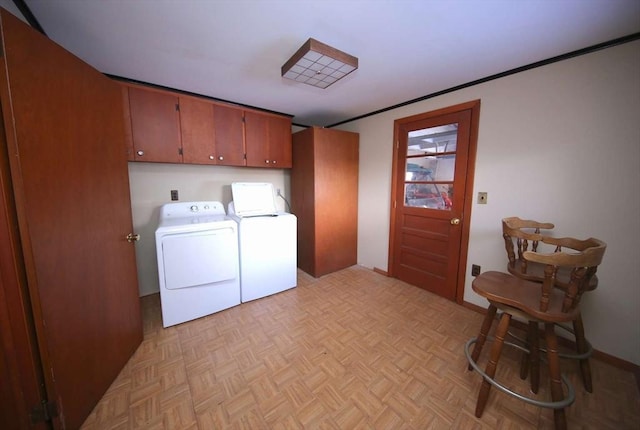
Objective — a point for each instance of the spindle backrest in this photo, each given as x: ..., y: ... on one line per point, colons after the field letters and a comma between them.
x: 518, y: 235
x: 579, y: 257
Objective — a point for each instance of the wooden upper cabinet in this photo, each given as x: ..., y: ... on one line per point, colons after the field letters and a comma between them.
x: 267, y: 140
x: 155, y: 124
x: 229, y: 140
x: 211, y: 133
x: 197, y: 131
x: 168, y: 127
x: 279, y: 138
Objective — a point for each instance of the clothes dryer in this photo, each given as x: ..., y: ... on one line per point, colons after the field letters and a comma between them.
x: 198, y: 264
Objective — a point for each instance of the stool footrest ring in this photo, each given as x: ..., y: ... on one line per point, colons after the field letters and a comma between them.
x: 560, y: 404
x: 572, y: 355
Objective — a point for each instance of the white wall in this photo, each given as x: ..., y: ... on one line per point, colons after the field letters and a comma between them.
x: 151, y: 184
x: 559, y: 143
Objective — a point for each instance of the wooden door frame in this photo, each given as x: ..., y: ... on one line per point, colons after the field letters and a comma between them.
x: 474, y: 107
x: 22, y: 373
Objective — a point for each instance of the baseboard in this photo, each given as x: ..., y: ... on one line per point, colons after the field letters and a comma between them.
x: 381, y: 272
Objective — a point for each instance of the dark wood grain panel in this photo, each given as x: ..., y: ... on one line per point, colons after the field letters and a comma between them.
x: 324, y: 184
x: 197, y: 131
x: 230, y: 147
x: 155, y: 124
x: 69, y: 178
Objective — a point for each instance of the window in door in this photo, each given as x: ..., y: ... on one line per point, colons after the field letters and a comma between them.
x: 430, y: 167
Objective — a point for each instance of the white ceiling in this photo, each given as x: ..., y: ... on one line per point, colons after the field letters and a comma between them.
x: 407, y: 49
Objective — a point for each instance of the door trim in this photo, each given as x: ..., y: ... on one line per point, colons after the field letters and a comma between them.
x: 474, y: 107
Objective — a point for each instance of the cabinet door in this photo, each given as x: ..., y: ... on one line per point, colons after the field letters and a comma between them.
x: 336, y: 159
x: 228, y: 135
x: 280, y: 142
x: 197, y: 131
x: 128, y: 136
x: 155, y: 124
x: 268, y: 140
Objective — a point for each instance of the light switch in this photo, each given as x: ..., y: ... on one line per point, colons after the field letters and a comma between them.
x: 174, y: 195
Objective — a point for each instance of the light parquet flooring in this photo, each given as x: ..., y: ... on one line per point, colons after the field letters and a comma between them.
x: 350, y: 350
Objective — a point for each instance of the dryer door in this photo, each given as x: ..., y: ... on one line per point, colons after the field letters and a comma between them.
x: 199, y: 258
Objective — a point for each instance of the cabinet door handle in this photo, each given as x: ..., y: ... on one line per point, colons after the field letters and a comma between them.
x: 221, y: 158
x: 211, y: 157
x: 273, y: 162
x: 140, y: 153
x: 266, y: 161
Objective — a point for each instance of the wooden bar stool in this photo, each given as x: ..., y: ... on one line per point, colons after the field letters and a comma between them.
x: 521, y: 236
x: 537, y: 302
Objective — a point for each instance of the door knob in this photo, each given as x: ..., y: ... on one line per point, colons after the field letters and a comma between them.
x: 133, y: 237
x: 455, y: 221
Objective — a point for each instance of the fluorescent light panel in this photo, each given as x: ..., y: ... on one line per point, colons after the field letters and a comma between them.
x: 318, y: 64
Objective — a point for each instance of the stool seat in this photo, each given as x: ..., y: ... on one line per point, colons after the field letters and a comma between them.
x: 506, y: 289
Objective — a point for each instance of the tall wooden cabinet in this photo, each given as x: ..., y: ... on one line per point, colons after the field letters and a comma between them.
x: 69, y: 307
x: 324, y: 197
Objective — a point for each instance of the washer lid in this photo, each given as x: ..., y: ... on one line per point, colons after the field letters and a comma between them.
x: 253, y: 199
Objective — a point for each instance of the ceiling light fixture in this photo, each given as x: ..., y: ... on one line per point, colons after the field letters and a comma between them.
x: 318, y: 64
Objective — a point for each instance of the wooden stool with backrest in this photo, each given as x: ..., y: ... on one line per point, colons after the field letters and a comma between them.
x: 520, y: 236
x: 538, y: 302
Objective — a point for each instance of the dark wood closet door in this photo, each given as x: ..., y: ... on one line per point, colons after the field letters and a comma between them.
x: 65, y: 136
x: 324, y: 197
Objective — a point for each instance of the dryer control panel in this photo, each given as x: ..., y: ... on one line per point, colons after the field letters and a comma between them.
x: 191, y: 209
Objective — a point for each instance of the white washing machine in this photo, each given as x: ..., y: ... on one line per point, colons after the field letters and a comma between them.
x: 198, y: 265
x: 267, y: 239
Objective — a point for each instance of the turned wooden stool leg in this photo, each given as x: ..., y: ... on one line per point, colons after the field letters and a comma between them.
x: 532, y: 333
x: 581, y: 347
x: 496, y: 350
x: 484, y: 332
x: 554, y: 374
x: 525, y: 358
x: 534, y: 355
